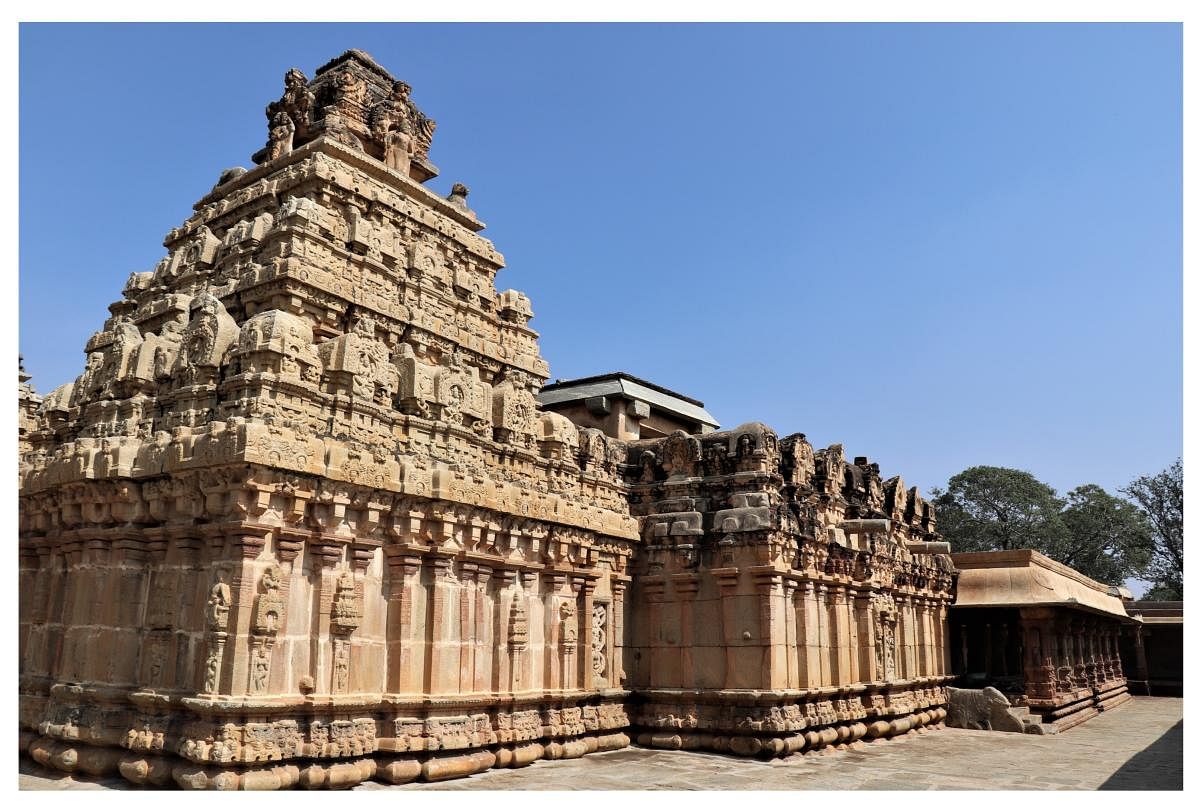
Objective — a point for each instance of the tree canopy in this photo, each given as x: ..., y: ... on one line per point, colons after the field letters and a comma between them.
x: 1160, y: 497
x: 997, y: 508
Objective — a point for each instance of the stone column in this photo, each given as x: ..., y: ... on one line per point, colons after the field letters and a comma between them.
x: 1114, y: 651
x: 245, y: 545
x: 502, y: 667
x: 1040, y: 643
x: 767, y: 586
x: 853, y: 643
x: 130, y: 593
x: 616, y: 675
x: 921, y: 630
x: 839, y: 651
x: 587, y: 587
x: 868, y: 664
x: 686, y: 586
x: 440, y: 674
x: 1094, y: 675
x: 325, y: 555
x: 572, y: 649
x: 944, y: 629
x: 466, y: 627
x: 402, y: 649
x: 190, y: 627
x: 1143, y: 669
x: 727, y: 581
x: 554, y: 653
x: 824, y: 652
x: 483, y: 645
x: 807, y: 644
x: 789, y: 633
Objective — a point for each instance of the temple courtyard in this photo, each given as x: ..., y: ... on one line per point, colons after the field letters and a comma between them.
x: 1138, y: 746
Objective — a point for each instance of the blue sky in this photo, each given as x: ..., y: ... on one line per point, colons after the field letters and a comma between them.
x: 941, y: 245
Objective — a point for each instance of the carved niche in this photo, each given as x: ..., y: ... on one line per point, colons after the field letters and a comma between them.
x: 209, y: 334
x: 364, y: 359
x: 681, y: 453
x: 569, y: 626
x: 514, y: 409
x: 279, y: 343
x: 269, y: 608
x: 462, y: 397
x: 346, y: 614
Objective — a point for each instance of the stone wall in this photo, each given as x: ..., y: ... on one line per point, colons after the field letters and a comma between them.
x: 785, y: 599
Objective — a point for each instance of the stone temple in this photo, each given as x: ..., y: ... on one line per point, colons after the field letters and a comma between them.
x: 302, y: 521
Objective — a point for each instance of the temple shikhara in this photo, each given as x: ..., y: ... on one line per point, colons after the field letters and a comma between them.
x: 302, y: 519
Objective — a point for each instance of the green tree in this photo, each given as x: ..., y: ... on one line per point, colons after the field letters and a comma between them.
x: 1108, y: 538
x: 1160, y: 496
x: 997, y: 508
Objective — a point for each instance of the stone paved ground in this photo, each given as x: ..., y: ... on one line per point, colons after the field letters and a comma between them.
x: 1138, y: 746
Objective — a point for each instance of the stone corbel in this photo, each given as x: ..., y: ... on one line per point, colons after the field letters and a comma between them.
x: 361, y: 554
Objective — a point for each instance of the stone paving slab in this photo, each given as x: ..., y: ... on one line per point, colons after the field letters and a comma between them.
x: 1138, y: 746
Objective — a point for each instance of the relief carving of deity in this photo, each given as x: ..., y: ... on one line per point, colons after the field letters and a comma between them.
x: 341, y: 666
x: 268, y: 615
x: 281, y: 135
x: 570, y: 625
x: 260, y: 670
x: 218, y: 606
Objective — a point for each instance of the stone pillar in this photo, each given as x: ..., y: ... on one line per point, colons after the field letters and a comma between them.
x: 402, y: 648
x: 839, y: 641
x: 325, y: 555
x: 572, y: 640
x: 130, y: 595
x: 864, y: 612
x: 789, y: 633
x: 466, y: 627
x: 922, y: 610
x: 617, y: 621
x: 587, y: 587
x: 825, y: 651
x: 553, y: 627
x: 501, y: 617
x: 767, y: 585
x: 853, y: 643
x: 903, y: 668
x: 483, y: 645
x: 440, y: 673
x: 245, y: 546
x: 807, y: 642
x: 1040, y: 643
x: 686, y: 586
x: 727, y: 581
x: 1139, y: 648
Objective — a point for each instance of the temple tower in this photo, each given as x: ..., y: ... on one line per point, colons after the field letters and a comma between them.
x: 301, y: 520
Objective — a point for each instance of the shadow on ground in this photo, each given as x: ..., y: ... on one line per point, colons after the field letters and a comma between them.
x: 1159, y: 766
